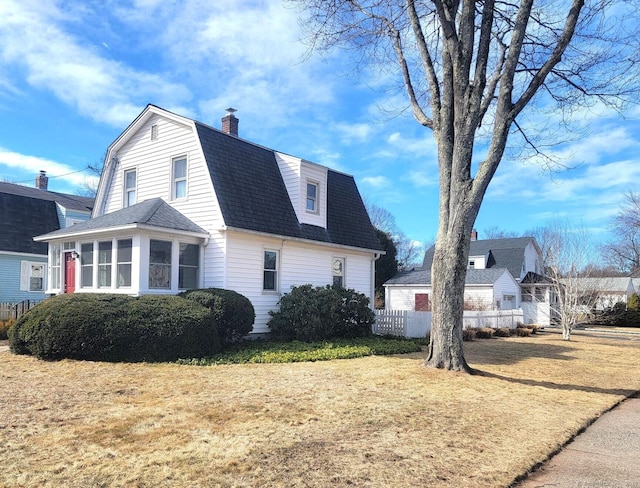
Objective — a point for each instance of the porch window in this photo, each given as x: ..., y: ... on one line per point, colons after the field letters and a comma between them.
x: 180, y: 177
x: 104, y: 264
x: 188, y: 266
x: 86, y: 265
x: 55, y: 266
x: 160, y: 264
x: 270, y: 271
x: 124, y: 262
x: 129, y: 187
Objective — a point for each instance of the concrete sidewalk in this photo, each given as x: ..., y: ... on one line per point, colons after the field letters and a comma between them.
x: 605, y: 455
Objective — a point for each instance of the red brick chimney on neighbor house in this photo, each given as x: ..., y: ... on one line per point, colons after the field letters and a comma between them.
x: 230, y: 123
x: 474, y: 235
x: 42, y: 181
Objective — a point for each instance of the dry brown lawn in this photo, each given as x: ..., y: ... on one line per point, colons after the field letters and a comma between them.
x: 370, y: 422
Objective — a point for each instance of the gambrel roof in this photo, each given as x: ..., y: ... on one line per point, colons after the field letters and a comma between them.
x: 252, y: 194
x: 502, y: 253
x: 26, y: 212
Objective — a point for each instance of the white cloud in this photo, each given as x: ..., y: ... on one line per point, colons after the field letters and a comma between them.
x: 376, y: 181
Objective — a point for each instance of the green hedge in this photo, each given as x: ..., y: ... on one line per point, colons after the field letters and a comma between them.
x: 107, y: 327
x: 314, y: 314
x: 232, y: 311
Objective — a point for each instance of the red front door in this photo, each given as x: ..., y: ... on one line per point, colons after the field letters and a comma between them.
x: 69, y: 273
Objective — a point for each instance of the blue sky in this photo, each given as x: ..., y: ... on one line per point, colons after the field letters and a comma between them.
x: 75, y: 73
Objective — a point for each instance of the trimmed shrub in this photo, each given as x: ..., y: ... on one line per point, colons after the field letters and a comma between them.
x: 468, y: 335
x: 523, y: 331
x: 484, y: 333
x: 502, y: 332
x: 312, y: 314
x: 234, y: 314
x: 106, y: 327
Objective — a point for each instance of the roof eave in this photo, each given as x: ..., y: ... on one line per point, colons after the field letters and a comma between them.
x: 120, y: 228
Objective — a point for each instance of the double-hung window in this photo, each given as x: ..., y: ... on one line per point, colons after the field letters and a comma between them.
x: 124, y: 262
x: 180, y: 177
x: 188, y: 266
x: 160, y: 264
x: 86, y: 265
x: 104, y: 264
x: 337, y: 270
x: 32, y: 276
x: 55, y: 266
x: 270, y: 271
x: 130, y: 187
x: 312, y: 196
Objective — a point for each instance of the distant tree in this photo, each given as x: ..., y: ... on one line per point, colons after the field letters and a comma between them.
x: 408, y: 252
x: 496, y: 232
x: 386, y: 265
x: 623, y: 253
x: 566, y: 253
x: 469, y: 69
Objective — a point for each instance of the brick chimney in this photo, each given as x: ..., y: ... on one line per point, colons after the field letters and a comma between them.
x: 42, y: 181
x: 230, y: 123
x: 474, y: 235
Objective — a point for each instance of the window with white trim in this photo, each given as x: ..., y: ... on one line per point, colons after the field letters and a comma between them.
x: 86, y: 265
x: 32, y: 276
x: 312, y: 196
x: 270, y: 271
x: 188, y: 266
x: 124, y: 262
x: 130, y: 185
x: 104, y: 264
x: 179, y: 166
x: 160, y: 264
x: 56, y: 250
x: 337, y: 270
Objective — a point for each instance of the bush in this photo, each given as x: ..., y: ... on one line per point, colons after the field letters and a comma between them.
x: 633, y: 304
x: 484, y: 333
x: 233, y: 312
x: 106, y: 327
x: 502, y: 332
x: 4, y: 328
x: 468, y: 335
x: 523, y: 331
x: 312, y: 314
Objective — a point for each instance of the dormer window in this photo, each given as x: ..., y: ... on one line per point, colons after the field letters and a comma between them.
x: 312, y: 197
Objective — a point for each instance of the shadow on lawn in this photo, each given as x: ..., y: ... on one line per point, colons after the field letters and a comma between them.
x: 558, y: 386
x: 515, y: 352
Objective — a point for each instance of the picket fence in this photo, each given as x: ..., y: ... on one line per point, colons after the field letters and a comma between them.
x: 408, y: 323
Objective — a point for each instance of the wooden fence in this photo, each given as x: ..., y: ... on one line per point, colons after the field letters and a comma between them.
x: 14, y: 310
x: 408, y: 323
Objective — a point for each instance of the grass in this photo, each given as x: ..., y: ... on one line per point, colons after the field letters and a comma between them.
x: 372, y: 421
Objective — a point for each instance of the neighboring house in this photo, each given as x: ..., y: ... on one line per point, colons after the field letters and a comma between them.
x: 501, y: 274
x: 182, y: 205
x: 26, y: 212
x: 604, y: 292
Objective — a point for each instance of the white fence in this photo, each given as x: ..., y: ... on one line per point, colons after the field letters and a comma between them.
x: 407, y: 323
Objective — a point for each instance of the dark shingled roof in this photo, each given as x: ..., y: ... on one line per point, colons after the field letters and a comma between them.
x: 155, y: 212
x: 70, y: 202
x: 503, y: 253
x: 23, y: 218
x: 253, y: 196
x: 423, y: 277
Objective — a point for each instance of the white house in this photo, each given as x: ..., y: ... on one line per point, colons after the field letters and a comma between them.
x: 182, y: 205
x: 501, y: 274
